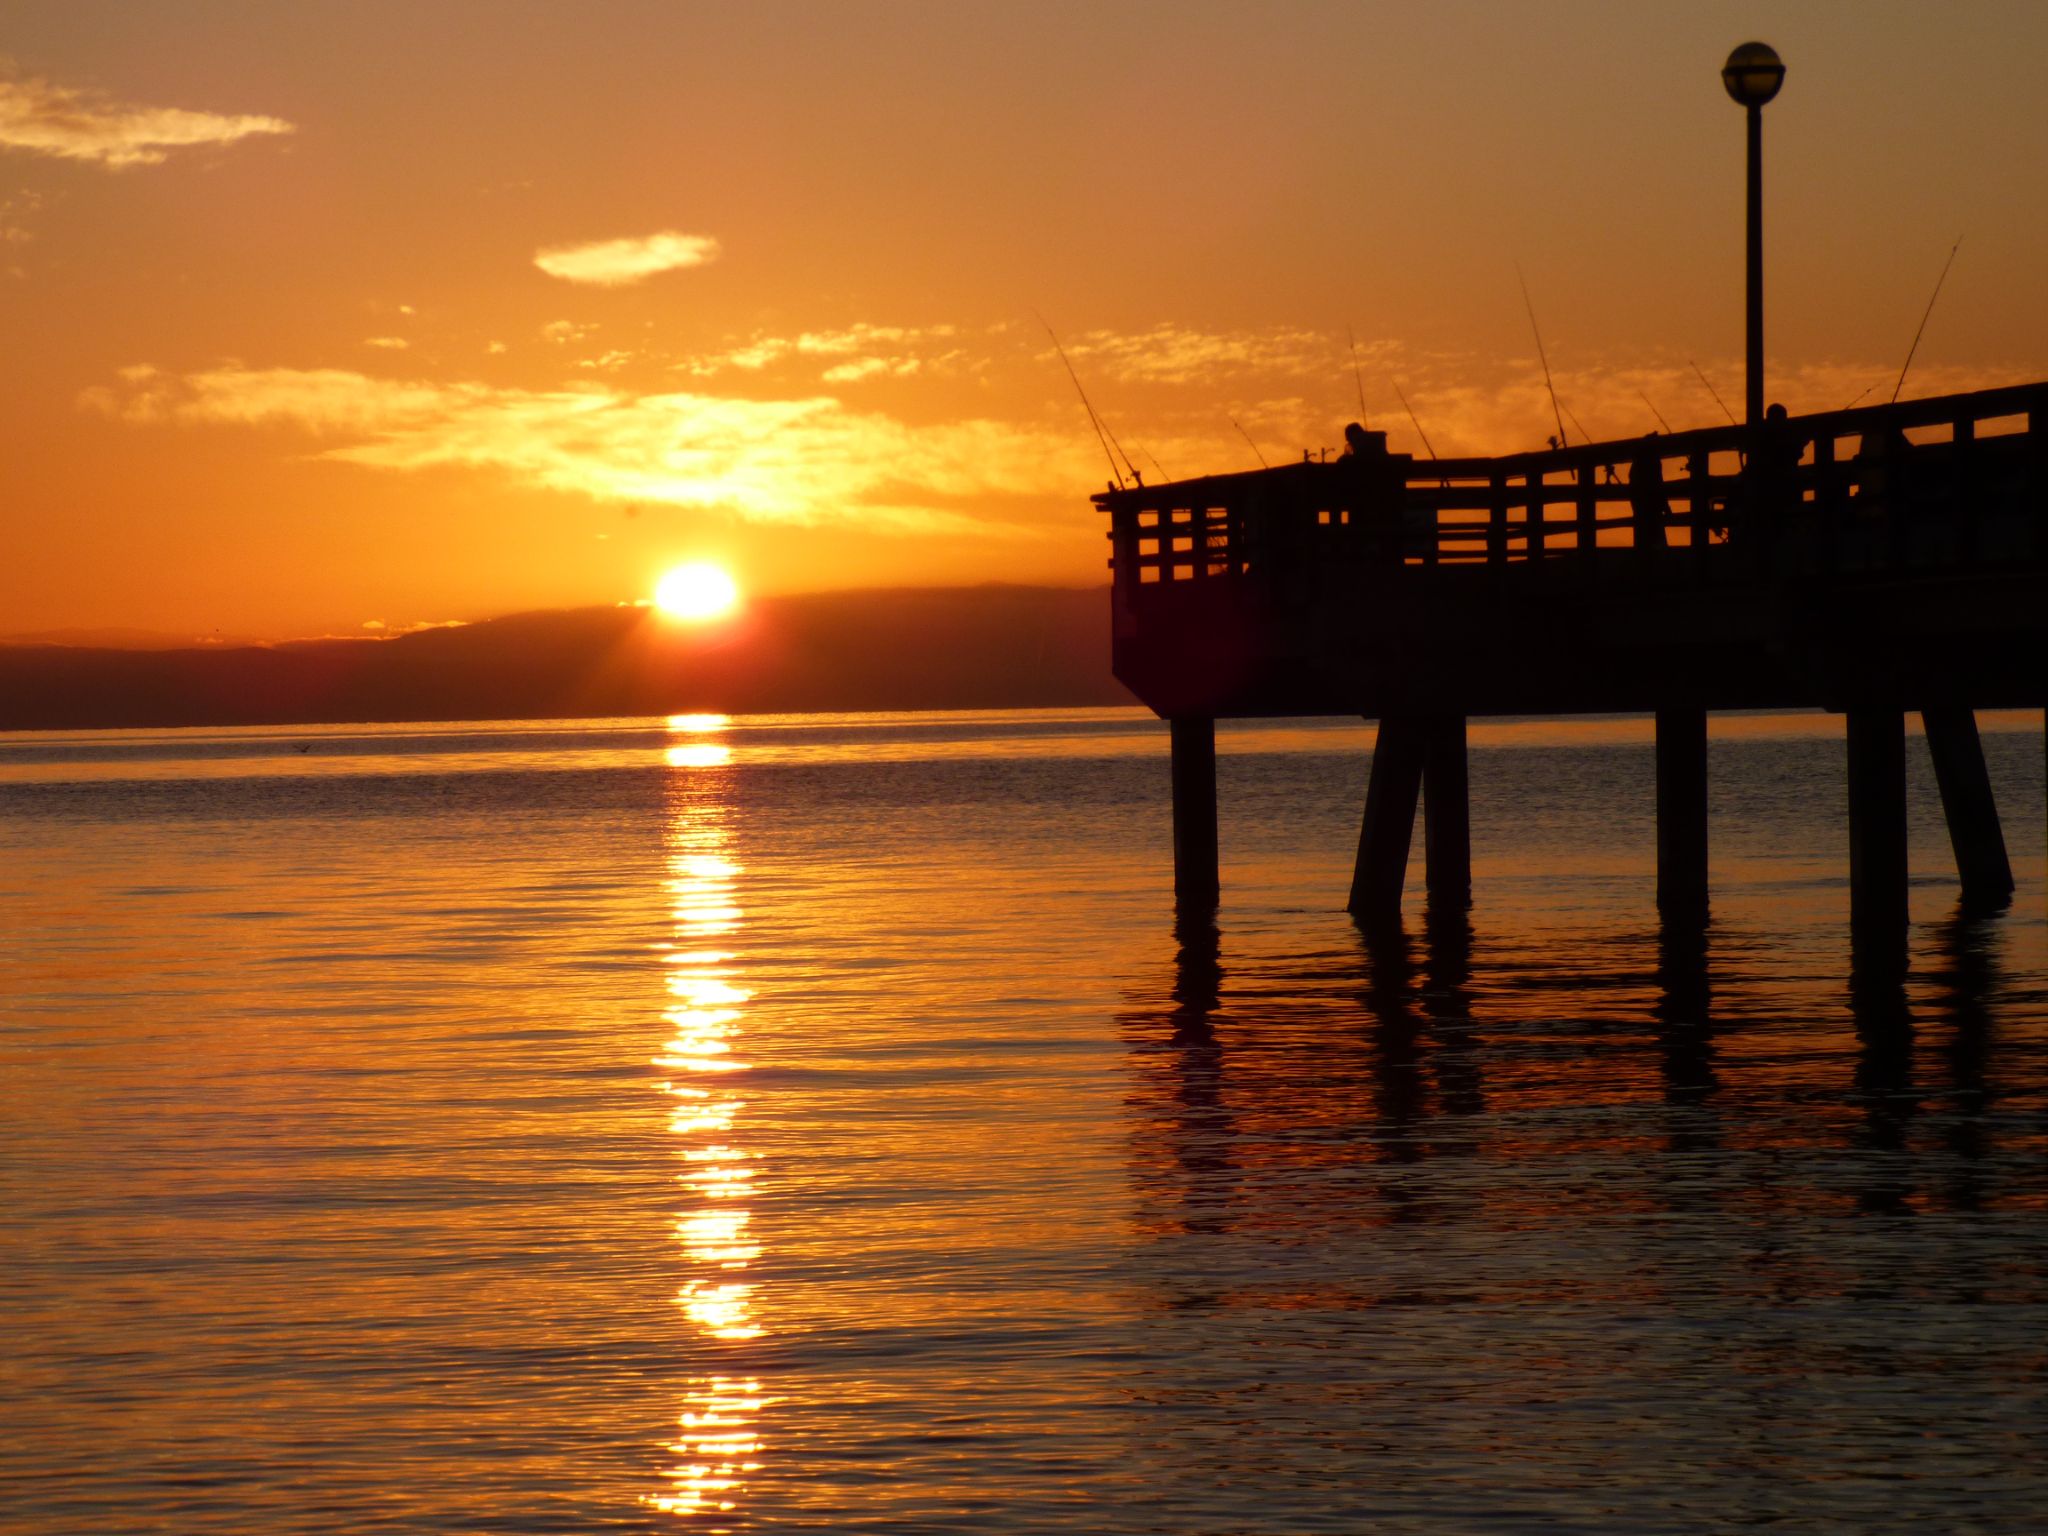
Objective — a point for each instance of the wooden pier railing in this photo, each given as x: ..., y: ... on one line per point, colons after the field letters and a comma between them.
x: 1959, y: 478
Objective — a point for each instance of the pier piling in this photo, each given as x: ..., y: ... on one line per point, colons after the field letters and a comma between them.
x: 1196, y: 886
x: 1967, y: 802
x: 1682, y: 812
x: 1446, y: 813
x: 1877, y: 826
x: 1398, y: 756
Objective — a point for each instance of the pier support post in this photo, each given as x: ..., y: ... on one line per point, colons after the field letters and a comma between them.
x: 1877, y: 828
x: 1196, y: 886
x: 1682, y: 812
x: 1397, y: 760
x: 1446, y: 813
x: 1966, y: 801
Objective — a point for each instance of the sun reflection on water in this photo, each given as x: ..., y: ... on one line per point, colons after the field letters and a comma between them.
x: 718, y: 1444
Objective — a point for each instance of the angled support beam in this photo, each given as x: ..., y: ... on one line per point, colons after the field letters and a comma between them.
x: 1877, y: 828
x: 1447, y: 813
x: 1966, y: 801
x: 1682, y: 812
x: 1196, y: 886
x: 1383, y: 837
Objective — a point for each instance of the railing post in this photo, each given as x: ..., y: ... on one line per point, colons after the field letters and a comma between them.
x: 1962, y: 509
x: 2037, y: 479
x: 1497, y: 518
x: 1827, y: 498
x: 1587, y: 519
x: 1699, y: 495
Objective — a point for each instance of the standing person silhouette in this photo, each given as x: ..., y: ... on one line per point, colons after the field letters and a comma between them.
x: 1770, y: 487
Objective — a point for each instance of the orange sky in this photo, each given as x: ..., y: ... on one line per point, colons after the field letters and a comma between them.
x: 351, y: 312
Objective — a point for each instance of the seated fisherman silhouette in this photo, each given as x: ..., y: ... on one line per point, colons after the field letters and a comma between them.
x: 1380, y: 499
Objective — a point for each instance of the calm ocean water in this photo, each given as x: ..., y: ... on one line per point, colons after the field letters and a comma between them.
x: 817, y: 1123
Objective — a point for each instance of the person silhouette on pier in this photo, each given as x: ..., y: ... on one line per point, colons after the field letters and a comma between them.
x: 1879, y: 465
x: 1361, y: 444
x: 1646, y: 498
x: 1770, y: 488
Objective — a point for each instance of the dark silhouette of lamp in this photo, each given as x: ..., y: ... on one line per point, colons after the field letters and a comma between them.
x: 1753, y: 74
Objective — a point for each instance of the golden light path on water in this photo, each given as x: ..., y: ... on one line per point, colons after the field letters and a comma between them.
x: 718, y: 1442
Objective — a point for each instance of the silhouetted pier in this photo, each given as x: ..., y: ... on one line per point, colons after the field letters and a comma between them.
x: 1868, y: 561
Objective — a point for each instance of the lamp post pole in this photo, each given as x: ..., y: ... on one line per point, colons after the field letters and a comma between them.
x: 1752, y: 76
x: 1753, y: 335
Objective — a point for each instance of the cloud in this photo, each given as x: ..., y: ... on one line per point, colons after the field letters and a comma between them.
x: 615, y: 263
x: 72, y: 124
x: 17, y: 210
x: 798, y: 460
x: 1175, y: 354
x: 761, y: 350
x: 387, y: 343
x: 869, y: 367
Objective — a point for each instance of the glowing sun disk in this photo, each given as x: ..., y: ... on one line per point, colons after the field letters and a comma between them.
x: 696, y: 591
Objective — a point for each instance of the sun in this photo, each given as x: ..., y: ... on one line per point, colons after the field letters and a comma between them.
x: 696, y: 591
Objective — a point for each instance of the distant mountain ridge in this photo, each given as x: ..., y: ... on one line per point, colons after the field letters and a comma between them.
x: 985, y: 647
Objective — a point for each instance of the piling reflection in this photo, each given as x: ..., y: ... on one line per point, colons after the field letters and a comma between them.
x: 1883, y: 1083
x: 1683, y: 1015
x: 1966, y: 972
x: 1197, y: 1175
x: 719, y: 1444
x: 1330, y: 1083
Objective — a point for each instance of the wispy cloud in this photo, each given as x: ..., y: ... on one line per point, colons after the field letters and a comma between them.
x: 901, y: 341
x: 1178, y: 354
x: 615, y: 263
x: 75, y: 124
x: 871, y: 367
x: 800, y: 460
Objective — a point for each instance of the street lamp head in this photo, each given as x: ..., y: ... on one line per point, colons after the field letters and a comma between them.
x: 1753, y: 74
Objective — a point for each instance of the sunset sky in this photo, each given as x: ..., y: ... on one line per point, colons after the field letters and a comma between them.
x: 343, y: 316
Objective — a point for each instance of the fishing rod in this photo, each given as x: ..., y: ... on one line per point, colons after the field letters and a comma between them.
x: 1403, y: 398
x: 1250, y: 444
x: 1654, y: 411
x: 1119, y: 447
x: 1163, y: 475
x: 1859, y: 399
x: 1715, y: 393
x: 1541, y: 356
x: 1605, y: 469
x: 1101, y: 433
x: 1923, y: 319
x: 1357, y: 377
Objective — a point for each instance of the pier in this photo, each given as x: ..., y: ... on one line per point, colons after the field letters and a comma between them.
x: 1871, y: 562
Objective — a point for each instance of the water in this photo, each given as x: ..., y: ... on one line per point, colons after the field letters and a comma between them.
x: 816, y: 1123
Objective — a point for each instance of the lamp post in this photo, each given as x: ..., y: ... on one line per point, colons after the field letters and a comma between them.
x: 1752, y: 76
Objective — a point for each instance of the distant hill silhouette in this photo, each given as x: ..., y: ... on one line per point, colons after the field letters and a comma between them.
x: 917, y: 648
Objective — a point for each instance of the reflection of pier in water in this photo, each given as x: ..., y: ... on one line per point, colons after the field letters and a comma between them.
x: 1448, y: 1077
x: 1872, y: 561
